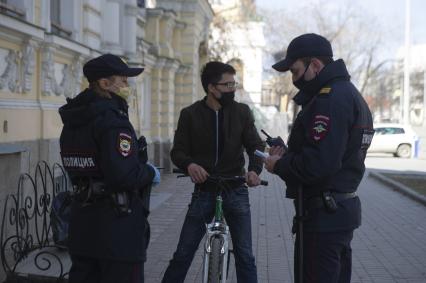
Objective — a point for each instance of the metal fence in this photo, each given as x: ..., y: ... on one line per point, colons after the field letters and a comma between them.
x: 25, y: 225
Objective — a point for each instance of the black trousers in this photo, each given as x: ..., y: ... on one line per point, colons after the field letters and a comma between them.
x: 91, y: 270
x: 327, y: 257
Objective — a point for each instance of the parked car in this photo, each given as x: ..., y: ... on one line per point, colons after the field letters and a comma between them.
x: 397, y: 139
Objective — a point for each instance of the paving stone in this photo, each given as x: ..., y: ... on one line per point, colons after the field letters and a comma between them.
x: 390, y: 246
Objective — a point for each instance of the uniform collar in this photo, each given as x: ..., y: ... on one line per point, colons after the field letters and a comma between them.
x: 331, y: 72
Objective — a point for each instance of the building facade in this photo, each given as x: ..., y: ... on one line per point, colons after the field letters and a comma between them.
x: 44, y: 44
x: 237, y: 38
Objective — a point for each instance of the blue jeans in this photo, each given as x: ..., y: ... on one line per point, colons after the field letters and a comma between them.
x: 236, y: 208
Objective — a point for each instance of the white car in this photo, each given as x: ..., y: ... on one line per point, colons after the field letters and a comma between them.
x: 397, y: 139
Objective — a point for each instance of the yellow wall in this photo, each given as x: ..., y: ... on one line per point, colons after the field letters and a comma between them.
x: 22, y: 124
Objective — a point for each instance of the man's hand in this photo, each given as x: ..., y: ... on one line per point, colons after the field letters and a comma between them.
x: 276, y: 150
x: 197, y: 173
x: 252, y: 179
x: 270, y: 162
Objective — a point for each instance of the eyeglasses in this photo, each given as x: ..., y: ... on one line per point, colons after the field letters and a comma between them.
x: 229, y: 84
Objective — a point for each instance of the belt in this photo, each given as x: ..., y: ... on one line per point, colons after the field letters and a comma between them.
x: 98, y: 189
x: 92, y: 192
x: 318, y: 202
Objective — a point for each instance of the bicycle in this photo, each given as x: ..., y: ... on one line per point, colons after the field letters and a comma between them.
x: 216, y: 247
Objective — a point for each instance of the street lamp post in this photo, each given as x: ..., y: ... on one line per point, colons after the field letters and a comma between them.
x: 424, y: 98
x: 406, y: 104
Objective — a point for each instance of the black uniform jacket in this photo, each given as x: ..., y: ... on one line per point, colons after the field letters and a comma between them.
x: 99, y: 144
x: 327, y: 146
x: 197, y: 139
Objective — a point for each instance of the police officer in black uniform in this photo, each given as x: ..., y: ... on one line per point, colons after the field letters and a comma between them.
x: 325, y: 158
x: 110, y: 176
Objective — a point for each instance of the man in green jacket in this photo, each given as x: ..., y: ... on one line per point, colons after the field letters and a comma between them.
x: 210, y: 139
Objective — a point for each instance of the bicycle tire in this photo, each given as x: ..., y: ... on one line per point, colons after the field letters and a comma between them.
x: 215, y: 261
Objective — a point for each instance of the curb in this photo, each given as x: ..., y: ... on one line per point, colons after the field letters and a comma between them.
x: 398, y: 187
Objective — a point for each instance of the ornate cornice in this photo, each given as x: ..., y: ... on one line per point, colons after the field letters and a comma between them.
x: 21, y: 26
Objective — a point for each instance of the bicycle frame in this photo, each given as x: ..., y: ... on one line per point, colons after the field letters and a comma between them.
x: 217, y: 228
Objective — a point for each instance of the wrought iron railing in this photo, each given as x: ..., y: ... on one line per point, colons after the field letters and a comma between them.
x: 25, y: 227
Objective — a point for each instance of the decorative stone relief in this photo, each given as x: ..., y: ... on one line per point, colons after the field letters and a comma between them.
x: 77, y: 74
x: 70, y: 79
x: 28, y: 62
x: 69, y: 76
x: 10, y: 77
x: 47, y: 71
x: 66, y: 86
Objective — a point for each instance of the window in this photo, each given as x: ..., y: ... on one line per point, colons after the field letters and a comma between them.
x: 141, y: 3
x: 389, y: 131
x: 379, y: 131
x: 55, y: 12
x: 11, y: 8
x: 398, y: 131
x: 55, y: 19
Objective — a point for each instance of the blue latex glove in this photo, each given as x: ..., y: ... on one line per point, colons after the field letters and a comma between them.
x: 157, y: 176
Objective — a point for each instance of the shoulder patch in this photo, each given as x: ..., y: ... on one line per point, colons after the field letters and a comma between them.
x: 320, y: 127
x: 124, y: 144
x: 325, y: 90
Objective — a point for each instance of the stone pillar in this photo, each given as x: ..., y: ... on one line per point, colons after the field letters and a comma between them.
x: 181, y: 90
x: 177, y: 39
x: 153, y: 28
x: 156, y: 109
x: 167, y: 111
x: 167, y: 24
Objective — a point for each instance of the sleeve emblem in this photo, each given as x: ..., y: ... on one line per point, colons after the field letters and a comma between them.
x: 325, y: 90
x: 320, y: 127
x: 124, y: 144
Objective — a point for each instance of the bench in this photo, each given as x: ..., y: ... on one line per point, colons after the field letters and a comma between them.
x: 28, y: 253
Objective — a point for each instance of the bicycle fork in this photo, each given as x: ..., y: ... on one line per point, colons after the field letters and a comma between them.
x: 224, y: 237
x: 217, y: 229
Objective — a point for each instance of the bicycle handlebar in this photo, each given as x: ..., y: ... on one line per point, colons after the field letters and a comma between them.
x: 218, y: 178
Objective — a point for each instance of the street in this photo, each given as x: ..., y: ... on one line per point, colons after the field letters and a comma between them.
x: 388, y: 162
x: 390, y: 246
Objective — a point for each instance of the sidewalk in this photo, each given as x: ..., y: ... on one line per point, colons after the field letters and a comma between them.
x: 390, y: 246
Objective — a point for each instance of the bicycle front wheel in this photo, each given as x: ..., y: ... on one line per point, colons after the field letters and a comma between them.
x: 215, y: 266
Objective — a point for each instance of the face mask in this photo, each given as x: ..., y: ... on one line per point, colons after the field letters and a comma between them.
x: 300, y: 83
x: 226, y: 98
x: 124, y: 92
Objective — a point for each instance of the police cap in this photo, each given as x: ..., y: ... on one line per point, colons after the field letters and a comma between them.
x: 108, y: 65
x: 305, y: 45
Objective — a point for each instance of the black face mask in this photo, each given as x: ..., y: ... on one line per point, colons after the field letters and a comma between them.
x: 226, y: 98
x: 301, y: 83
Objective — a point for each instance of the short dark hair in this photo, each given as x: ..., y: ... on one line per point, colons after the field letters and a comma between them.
x: 324, y: 59
x: 212, y: 73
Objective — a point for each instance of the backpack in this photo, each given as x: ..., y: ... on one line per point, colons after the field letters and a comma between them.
x: 60, y: 217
